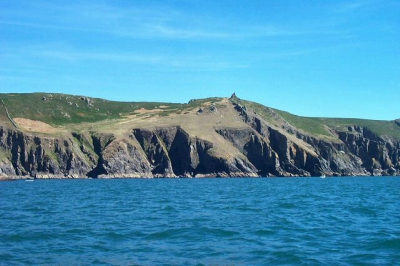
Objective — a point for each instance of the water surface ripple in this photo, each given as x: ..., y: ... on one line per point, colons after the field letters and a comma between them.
x: 266, y: 221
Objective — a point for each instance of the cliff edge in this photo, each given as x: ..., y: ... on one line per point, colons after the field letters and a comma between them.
x: 64, y: 136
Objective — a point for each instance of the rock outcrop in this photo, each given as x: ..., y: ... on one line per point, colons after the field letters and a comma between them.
x: 40, y: 157
x: 164, y: 152
x: 263, y: 149
x: 288, y: 151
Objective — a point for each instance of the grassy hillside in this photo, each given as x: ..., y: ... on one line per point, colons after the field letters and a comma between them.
x: 321, y: 126
x: 379, y: 127
x: 62, y: 109
x: 278, y: 118
x: 59, y: 109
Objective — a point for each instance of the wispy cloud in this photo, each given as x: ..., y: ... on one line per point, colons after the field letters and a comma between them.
x: 52, y: 26
x: 356, y: 6
x: 159, y: 22
x: 352, y: 6
x: 132, y: 22
x: 150, y: 22
x: 81, y: 56
x: 181, y: 33
x: 193, y: 62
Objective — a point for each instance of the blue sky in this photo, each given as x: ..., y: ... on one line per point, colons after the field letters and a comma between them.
x: 323, y: 58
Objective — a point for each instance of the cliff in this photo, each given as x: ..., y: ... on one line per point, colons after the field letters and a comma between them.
x: 216, y: 137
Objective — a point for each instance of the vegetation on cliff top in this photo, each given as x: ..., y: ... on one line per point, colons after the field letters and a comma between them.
x: 322, y: 126
x: 62, y: 109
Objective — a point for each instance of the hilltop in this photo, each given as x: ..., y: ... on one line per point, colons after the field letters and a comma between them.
x: 46, y: 135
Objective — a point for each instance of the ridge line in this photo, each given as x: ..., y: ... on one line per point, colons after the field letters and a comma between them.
x: 8, y: 114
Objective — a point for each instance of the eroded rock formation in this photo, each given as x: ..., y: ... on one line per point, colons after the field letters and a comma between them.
x: 169, y: 151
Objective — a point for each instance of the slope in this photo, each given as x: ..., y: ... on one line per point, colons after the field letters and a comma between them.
x: 62, y: 136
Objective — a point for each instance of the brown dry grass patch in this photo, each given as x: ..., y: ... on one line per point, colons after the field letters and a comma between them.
x: 35, y: 126
x: 145, y: 111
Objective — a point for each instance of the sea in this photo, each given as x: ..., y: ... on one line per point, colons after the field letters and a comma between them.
x: 221, y: 221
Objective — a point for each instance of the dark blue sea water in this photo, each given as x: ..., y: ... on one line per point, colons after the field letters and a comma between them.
x: 266, y: 221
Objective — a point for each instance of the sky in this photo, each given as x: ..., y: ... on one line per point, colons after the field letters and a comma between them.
x: 310, y: 58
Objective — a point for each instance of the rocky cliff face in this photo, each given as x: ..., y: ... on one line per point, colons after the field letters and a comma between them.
x: 164, y: 152
x: 41, y: 157
x: 287, y: 151
x: 169, y: 151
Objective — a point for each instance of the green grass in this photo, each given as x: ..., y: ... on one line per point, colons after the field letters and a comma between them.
x: 61, y: 109
x: 52, y: 156
x: 84, y: 140
x: 307, y: 124
x: 200, y: 102
x: 320, y: 126
x: 379, y: 127
x: 3, y: 115
x: 276, y: 117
